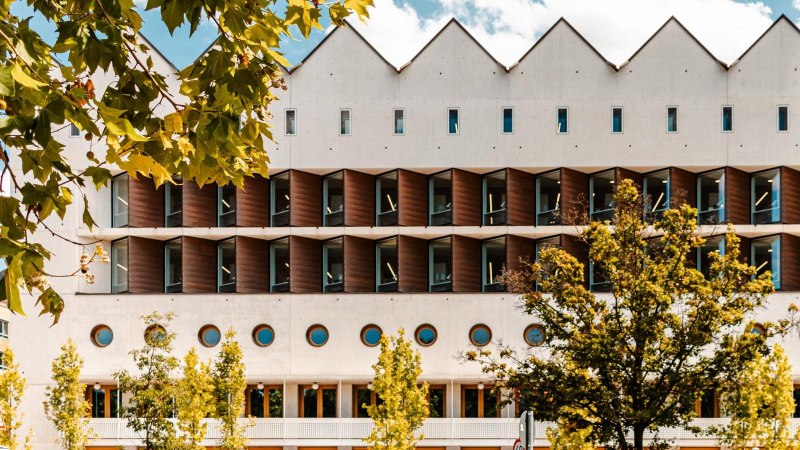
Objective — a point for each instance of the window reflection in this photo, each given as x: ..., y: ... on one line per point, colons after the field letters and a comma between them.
x: 601, y: 196
x: 494, y: 198
x: 441, y: 199
x: 279, y: 200
x: 711, y: 197
x: 333, y: 262
x: 548, y: 198
x: 655, y: 194
x: 765, y: 196
x: 333, y: 195
x: 387, y: 203
x: 441, y: 276
x: 386, y: 260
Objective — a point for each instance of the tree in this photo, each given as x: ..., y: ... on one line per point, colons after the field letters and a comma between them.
x: 564, y: 436
x: 100, y: 76
x: 12, y: 388
x: 404, y: 405
x: 229, y: 386
x: 65, y: 403
x: 152, y: 390
x: 637, y: 358
x: 195, y: 400
x: 761, y: 405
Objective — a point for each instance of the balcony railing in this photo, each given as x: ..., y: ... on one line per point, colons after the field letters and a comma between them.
x: 490, y: 432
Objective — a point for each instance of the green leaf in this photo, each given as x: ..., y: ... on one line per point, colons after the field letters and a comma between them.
x: 23, y: 78
x: 52, y: 304
x: 12, y: 283
x: 6, y: 81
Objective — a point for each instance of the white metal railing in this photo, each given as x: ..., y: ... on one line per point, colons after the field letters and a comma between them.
x: 454, y: 429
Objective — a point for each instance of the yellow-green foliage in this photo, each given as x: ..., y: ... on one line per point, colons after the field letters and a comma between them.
x: 405, y: 405
x: 65, y: 405
x: 195, y: 401
x: 152, y: 390
x: 229, y: 387
x: 564, y: 437
x: 12, y: 388
x: 213, y: 129
x: 637, y: 357
x: 761, y: 405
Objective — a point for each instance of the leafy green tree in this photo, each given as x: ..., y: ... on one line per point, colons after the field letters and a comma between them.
x: 195, y: 400
x: 404, y: 405
x: 104, y: 81
x: 564, y: 436
x: 12, y: 388
x: 761, y: 405
x: 65, y: 403
x: 152, y: 390
x: 229, y: 387
x: 638, y: 357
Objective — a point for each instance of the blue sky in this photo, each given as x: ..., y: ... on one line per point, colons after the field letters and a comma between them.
x: 399, y: 28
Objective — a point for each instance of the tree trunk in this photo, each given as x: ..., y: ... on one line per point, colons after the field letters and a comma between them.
x: 638, y: 437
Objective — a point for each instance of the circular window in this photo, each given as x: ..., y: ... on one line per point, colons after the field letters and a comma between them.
x: 263, y: 335
x: 425, y: 335
x: 209, y: 336
x: 102, y: 336
x: 480, y: 335
x: 317, y: 335
x: 155, y: 333
x: 757, y: 329
x: 534, y: 335
x: 371, y: 335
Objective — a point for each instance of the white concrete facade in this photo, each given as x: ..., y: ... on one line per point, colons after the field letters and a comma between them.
x: 453, y: 71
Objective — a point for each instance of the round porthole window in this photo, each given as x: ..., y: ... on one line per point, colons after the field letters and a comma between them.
x: 209, y: 336
x: 757, y: 329
x: 480, y: 335
x: 534, y: 335
x: 263, y: 335
x: 425, y: 335
x: 317, y: 335
x: 155, y: 333
x: 371, y: 335
x: 102, y: 336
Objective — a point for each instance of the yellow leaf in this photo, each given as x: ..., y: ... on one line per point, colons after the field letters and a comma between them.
x: 173, y: 123
x: 23, y: 78
x: 185, y: 146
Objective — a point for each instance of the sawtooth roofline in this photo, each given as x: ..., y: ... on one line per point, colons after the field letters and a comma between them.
x: 456, y: 22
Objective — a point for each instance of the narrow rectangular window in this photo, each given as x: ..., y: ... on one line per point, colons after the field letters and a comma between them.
x: 453, y: 125
x: 399, y: 122
x: 616, y: 119
x: 727, y: 119
x: 119, y: 266
x: 508, y: 120
x: 783, y: 118
x: 562, y: 117
x: 226, y: 261
x: 672, y: 119
x: 74, y: 131
x: 4, y: 329
x: 344, y: 122
x: 119, y: 200
x: 291, y: 122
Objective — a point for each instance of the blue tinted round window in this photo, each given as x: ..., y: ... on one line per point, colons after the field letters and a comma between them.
x: 317, y: 335
x: 534, y: 335
x: 210, y: 336
x: 757, y: 329
x: 371, y: 335
x: 426, y: 335
x: 263, y: 335
x: 102, y: 336
x: 480, y: 335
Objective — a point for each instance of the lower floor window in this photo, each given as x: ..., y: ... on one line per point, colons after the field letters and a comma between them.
x: 479, y: 401
x: 264, y: 401
x: 317, y: 401
x: 104, y: 401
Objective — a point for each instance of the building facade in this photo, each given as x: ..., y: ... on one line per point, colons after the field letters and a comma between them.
x: 395, y: 198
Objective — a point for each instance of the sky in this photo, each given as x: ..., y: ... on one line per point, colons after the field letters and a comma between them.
x: 398, y: 29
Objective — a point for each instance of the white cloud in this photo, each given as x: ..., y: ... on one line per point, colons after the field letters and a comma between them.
x: 617, y: 28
